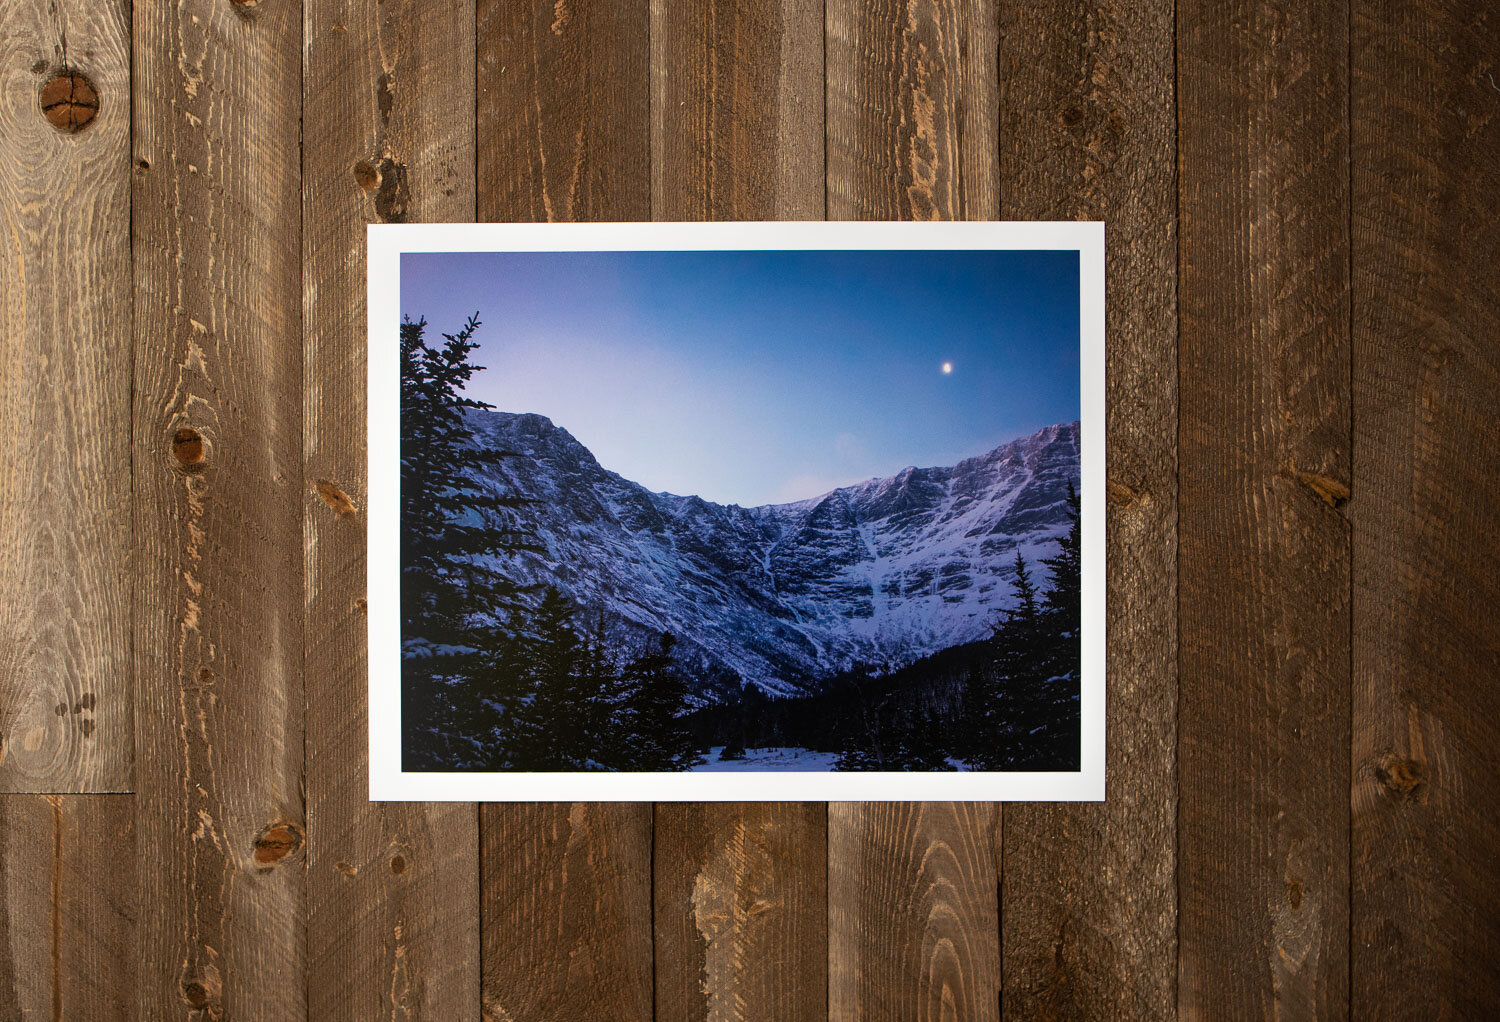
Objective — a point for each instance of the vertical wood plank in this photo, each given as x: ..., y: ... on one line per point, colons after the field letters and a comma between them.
x: 563, y: 134
x: 1087, y: 132
x: 1264, y: 547
x: 912, y: 109
x: 741, y: 904
x: 913, y: 928
x: 218, y: 483
x: 65, y: 672
x: 741, y: 911
x: 388, y: 136
x: 67, y: 912
x: 564, y: 110
x: 1426, y: 199
x: 737, y: 110
x: 566, y: 918
x: 913, y: 923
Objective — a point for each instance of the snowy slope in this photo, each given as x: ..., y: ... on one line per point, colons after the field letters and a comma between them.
x: 883, y: 572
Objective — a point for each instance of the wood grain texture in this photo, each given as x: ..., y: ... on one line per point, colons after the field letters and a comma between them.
x: 911, y: 127
x: 218, y: 487
x: 566, y: 912
x: 1426, y: 297
x: 1338, y: 650
x: 65, y: 669
x: 1089, y: 904
x: 913, y: 913
x: 740, y: 889
x: 563, y: 134
x: 1264, y: 454
x: 912, y: 109
x: 67, y: 912
x: 737, y: 110
x: 564, y: 109
x: 741, y: 911
x: 393, y: 888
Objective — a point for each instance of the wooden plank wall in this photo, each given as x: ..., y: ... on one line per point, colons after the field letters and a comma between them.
x: 379, y: 84
x: 1304, y: 474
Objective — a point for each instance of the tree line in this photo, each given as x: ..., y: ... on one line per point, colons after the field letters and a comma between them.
x: 496, y: 675
x: 500, y: 676
x: 1007, y: 702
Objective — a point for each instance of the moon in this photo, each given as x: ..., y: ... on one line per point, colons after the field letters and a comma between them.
x: 947, y: 368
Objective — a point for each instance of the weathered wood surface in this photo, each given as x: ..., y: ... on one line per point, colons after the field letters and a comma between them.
x: 67, y: 911
x: 741, y: 910
x: 1426, y: 489
x: 913, y: 911
x: 737, y: 110
x: 912, y: 109
x: 564, y: 110
x: 1302, y: 479
x: 912, y: 134
x: 563, y: 133
x: 65, y: 542
x: 1089, y: 903
x: 1264, y: 451
x: 380, y: 144
x: 566, y: 912
x: 217, y: 463
x: 740, y: 890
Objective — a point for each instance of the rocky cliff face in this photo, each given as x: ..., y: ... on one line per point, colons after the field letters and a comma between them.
x: 882, y: 572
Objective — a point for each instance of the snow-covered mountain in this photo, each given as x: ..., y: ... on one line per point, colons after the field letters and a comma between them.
x: 881, y: 572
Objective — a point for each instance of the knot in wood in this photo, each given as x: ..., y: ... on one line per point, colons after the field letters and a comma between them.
x: 200, y: 987
x: 336, y: 499
x: 69, y: 101
x: 367, y: 175
x: 276, y: 842
x: 385, y: 180
x: 1402, y: 777
x: 190, y: 449
x: 195, y: 993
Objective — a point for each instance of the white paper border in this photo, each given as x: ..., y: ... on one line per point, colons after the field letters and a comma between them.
x: 389, y: 783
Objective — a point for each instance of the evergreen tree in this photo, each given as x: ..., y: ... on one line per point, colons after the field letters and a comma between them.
x: 1005, y: 698
x: 1026, y: 603
x: 1064, y: 600
x: 547, y: 729
x: 919, y: 742
x: 452, y: 604
x: 1029, y: 720
x: 869, y: 746
x: 605, y: 709
x: 1054, y: 745
x: 657, y: 700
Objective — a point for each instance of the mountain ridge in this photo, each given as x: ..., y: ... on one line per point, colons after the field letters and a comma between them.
x: 882, y: 571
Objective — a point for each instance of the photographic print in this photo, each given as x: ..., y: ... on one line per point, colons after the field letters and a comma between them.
x: 736, y: 511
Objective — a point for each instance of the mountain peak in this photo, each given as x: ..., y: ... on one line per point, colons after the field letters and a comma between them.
x: 880, y: 572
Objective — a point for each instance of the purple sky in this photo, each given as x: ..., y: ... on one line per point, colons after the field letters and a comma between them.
x: 764, y: 377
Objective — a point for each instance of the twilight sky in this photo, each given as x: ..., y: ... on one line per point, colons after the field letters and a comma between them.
x: 766, y: 376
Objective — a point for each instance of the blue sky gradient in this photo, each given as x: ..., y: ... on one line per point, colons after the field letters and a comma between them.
x: 767, y: 376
